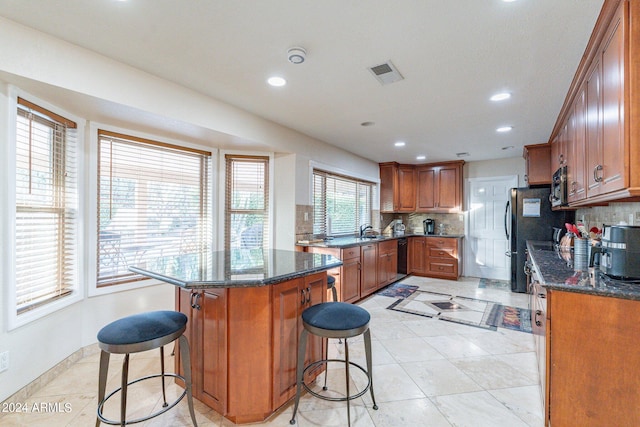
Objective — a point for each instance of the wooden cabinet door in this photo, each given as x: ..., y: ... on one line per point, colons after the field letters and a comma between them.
x: 577, y: 157
x: 442, y: 257
x: 287, y: 302
x: 426, y: 188
x: 368, y: 270
x: 538, y: 164
x: 594, y: 127
x: 613, y: 94
x: 213, y: 310
x: 206, y: 332
x: 406, y: 188
x: 448, y: 188
x: 388, y: 187
x: 387, y: 262
x: 315, y: 289
x: 417, y: 255
x: 350, y: 279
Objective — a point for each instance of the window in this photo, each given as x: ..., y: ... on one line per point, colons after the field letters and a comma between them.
x: 340, y: 204
x: 247, y: 203
x: 153, y: 201
x: 46, y: 207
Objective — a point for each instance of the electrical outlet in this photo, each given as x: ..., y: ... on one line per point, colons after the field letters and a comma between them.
x: 4, y: 361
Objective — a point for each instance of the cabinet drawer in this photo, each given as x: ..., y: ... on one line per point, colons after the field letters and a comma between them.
x: 388, y: 246
x: 445, y: 253
x: 441, y: 267
x: 350, y: 253
x: 442, y: 242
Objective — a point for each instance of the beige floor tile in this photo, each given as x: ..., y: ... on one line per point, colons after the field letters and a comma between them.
x: 440, y: 377
x: 477, y: 409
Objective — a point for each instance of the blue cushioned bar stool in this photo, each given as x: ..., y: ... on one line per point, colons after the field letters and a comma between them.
x: 134, y: 334
x: 334, y: 320
x: 331, y: 284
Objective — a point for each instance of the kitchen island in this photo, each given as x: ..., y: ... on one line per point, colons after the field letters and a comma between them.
x: 244, y: 310
x: 586, y: 334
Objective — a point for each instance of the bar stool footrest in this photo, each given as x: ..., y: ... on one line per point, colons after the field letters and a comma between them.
x: 148, y: 417
x: 336, y: 399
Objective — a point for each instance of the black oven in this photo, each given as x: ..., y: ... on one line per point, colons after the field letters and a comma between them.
x: 559, y: 188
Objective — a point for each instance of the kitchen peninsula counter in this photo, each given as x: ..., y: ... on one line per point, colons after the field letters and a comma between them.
x: 244, y: 309
x: 555, y: 273
x: 586, y: 340
x: 352, y: 241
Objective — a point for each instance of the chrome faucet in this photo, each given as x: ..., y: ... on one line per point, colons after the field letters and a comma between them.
x: 364, y: 228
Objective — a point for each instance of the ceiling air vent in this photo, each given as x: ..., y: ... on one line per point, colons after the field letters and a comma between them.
x: 386, y: 73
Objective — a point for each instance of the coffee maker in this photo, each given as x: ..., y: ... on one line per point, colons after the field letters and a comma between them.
x: 429, y: 226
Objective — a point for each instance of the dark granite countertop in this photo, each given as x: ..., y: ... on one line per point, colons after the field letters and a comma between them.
x: 350, y: 241
x: 236, y: 268
x: 555, y: 273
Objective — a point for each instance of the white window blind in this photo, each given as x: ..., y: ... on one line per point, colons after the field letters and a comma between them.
x: 340, y: 204
x: 153, y: 201
x: 247, y: 202
x: 46, y: 207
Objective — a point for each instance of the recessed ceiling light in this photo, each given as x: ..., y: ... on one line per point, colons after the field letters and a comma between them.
x: 500, y: 96
x: 509, y: 1
x: 400, y: 144
x: 421, y: 157
x: 365, y: 124
x: 276, y: 81
x: 504, y: 129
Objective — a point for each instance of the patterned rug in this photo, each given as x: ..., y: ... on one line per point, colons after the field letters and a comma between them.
x: 398, y: 290
x: 463, y: 310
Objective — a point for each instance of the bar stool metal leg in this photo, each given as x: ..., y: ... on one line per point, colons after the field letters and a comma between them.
x: 185, y: 355
x: 123, y: 400
x: 164, y: 393
x: 346, y: 370
x: 367, y: 350
x: 102, y: 380
x: 302, y: 349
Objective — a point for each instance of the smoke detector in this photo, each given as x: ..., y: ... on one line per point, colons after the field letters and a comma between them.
x: 386, y: 73
x: 296, y: 55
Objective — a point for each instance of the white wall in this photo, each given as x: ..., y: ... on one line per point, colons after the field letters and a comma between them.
x: 41, y: 65
x: 497, y: 167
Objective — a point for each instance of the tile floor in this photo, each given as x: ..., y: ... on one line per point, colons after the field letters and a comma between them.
x: 427, y: 372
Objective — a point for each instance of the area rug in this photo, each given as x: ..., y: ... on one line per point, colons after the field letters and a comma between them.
x: 451, y: 308
x: 514, y: 318
x: 398, y: 290
x: 478, y: 313
x: 494, y: 284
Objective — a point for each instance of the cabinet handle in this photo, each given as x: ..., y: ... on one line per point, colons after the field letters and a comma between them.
x: 194, y: 300
x: 543, y: 296
x: 308, y: 294
x: 303, y: 299
x: 538, y: 313
x: 561, y: 159
x: 573, y: 186
x: 597, y: 178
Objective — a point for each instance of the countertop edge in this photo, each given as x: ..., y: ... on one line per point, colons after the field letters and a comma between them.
x: 345, y: 243
x: 233, y: 283
x: 576, y: 288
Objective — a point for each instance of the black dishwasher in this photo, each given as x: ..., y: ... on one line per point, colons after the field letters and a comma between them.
x: 402, y: 255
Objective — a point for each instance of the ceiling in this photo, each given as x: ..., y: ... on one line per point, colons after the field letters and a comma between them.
x: 452, y: 54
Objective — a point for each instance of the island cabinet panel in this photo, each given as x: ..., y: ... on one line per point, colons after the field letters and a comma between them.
x: 244, y: 343
x: 290, y: 299
x: 594, y: 360
x: 206, y: 332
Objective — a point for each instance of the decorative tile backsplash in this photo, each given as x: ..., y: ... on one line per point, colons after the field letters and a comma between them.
x: 615, y: 213
x: 453, y: 222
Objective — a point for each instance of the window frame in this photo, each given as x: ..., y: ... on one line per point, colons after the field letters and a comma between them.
x: 349, y: 174
x: 92, y: 220
x: 9, y: 208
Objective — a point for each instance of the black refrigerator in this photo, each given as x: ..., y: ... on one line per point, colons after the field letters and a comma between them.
x: 528, y: 216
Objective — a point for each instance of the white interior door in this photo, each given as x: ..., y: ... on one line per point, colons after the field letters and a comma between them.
x: 486, y: 242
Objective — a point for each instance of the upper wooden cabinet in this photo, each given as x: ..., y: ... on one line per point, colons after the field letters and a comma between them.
x: 433, y: 187
x: 538, y: 164
x: 597, y: 134
x: 397, y: 187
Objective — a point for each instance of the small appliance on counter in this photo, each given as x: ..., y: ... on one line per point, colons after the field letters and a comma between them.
x: 398, y: 228
x: 619, y: 252
x: 429, y: 226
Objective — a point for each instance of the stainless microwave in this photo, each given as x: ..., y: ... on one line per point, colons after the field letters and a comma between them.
x: 559, y: 188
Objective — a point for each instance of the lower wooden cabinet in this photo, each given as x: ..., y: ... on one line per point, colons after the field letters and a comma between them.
x: 435, y: 256
x: 244, y: 344
x: 368, y: 269
x: 387, y: 262
x: 593, y: 360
